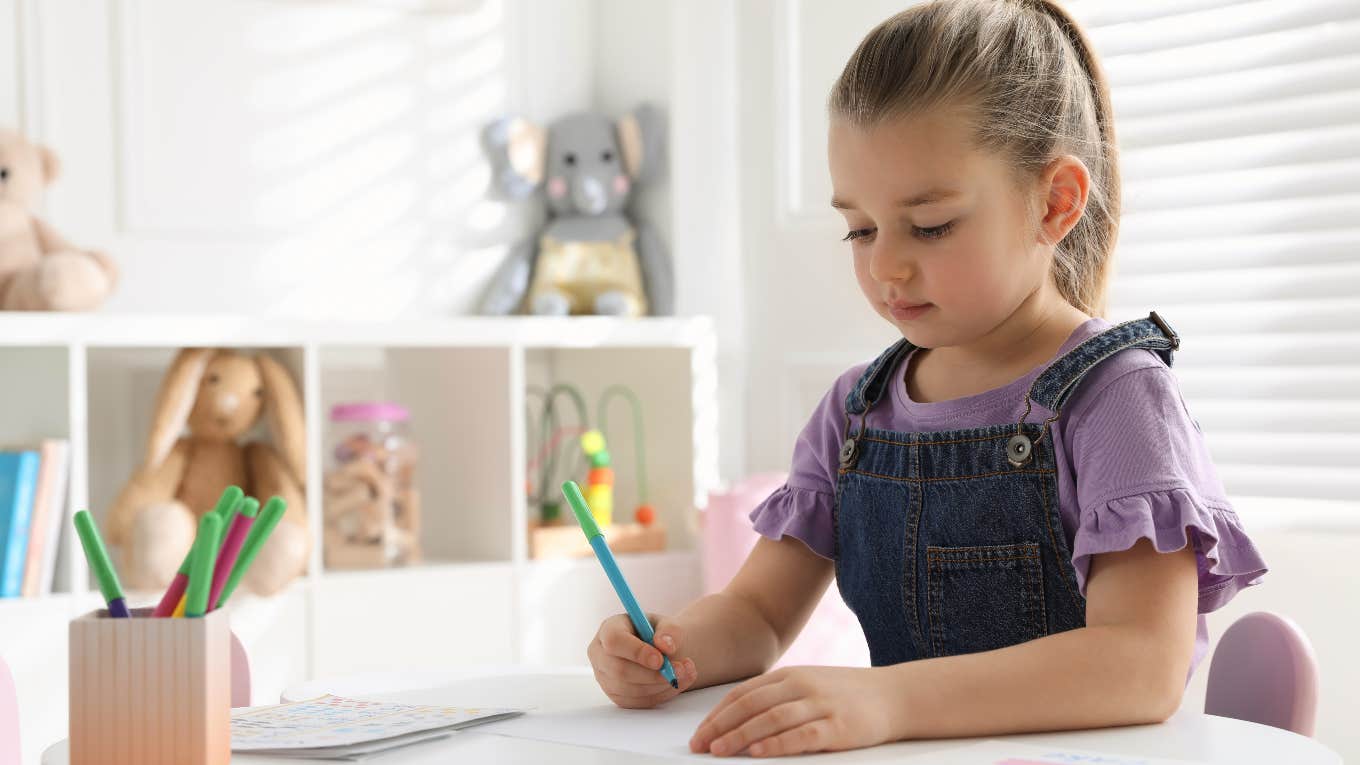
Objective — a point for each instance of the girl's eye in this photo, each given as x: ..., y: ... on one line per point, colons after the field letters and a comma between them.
x: 858, y: 233
x: 934, y: 232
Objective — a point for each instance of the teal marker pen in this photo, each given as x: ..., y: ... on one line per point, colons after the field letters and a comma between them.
x: 611, y: 569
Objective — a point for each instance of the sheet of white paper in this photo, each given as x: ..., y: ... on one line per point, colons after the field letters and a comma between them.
x: 662, y: 731
x: 1003, y: 753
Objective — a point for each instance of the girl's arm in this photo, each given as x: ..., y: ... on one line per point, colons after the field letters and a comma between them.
x: 1126, y: 666
x: 741, y: 631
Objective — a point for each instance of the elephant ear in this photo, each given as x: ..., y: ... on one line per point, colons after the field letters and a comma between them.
x: 641, y: 135
x: 518, y: 150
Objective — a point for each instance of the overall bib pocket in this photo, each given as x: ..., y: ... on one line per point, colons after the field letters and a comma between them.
x: 981, y: 598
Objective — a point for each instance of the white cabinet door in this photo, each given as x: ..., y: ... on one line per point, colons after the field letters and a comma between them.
x: 806, y: 319
x: 421, y: 618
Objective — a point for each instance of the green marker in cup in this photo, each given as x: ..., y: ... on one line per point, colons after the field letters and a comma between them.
x: 259, y: 533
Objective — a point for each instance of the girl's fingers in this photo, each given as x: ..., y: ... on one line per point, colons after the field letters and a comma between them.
x: 730, y: 714
x: 617, y: 639
x: 653, y: 689
x: 630, y: 671
x: 771, y: 722
x: 813, y: 736
x: 737, y: 693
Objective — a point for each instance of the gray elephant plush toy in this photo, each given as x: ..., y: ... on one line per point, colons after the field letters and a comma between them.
x: 592, y: 256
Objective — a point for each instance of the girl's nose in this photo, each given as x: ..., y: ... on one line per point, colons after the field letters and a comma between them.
x: 888, y: 263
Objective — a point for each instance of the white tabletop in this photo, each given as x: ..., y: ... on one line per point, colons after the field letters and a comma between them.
x: 1188, y: 735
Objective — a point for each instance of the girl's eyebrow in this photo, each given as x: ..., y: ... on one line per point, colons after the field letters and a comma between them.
x: 924, y: 198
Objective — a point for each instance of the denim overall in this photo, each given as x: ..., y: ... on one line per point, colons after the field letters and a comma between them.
x: 950, y: 542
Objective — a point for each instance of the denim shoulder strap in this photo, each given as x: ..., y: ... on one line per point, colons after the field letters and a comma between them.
x: 874, y: 381
x: 1056, y: 383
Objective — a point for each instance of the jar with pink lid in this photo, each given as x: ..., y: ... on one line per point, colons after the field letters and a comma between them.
x: 372, y: 506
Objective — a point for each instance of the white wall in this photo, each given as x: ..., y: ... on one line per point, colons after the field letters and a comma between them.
x: 309, y: 159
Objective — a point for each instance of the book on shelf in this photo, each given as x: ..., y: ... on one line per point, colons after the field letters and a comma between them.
x: 33, y: 511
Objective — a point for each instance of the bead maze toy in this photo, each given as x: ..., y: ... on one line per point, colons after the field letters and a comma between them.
x: 549, y: 535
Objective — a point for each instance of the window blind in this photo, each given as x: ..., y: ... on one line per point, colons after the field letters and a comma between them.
x: 1239, y: 132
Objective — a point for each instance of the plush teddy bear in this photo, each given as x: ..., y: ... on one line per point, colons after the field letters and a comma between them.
x: 592, y: 256
x: 219, y: 395
x: 39, y: 270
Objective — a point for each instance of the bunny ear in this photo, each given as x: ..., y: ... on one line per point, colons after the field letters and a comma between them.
x: 283, y: 411
x: 50, y: 164
x: 175, y: 400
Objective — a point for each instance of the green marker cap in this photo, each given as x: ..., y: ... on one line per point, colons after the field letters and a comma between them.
x: 229, y: 502
x: 227, y: 505
x: 259, y: 532
x: 581, y: 509
x: 250, y: 507
x: 201, y: 569
x: 97, y: 556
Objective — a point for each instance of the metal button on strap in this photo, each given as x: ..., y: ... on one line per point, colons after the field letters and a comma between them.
x: 1018, y: 450
x: 848, y: 452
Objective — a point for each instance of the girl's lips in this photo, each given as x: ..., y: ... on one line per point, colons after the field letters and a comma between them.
x: 903, y: 312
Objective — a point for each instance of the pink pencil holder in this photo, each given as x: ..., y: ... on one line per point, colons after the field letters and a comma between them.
x: 150, y: 691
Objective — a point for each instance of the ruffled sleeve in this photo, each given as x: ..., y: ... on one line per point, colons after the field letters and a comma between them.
x: 1143, y: 471
x: 803, y: 514
x: 802, y: 507
x: 1170, y: 519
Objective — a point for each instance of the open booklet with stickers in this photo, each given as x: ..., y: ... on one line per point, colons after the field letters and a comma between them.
x: 333, y: 727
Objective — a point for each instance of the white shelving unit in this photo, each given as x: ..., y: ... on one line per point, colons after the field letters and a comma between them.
x: 477, y: 598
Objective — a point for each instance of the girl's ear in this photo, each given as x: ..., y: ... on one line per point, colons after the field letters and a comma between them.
x: 1065, y: 185
x: 641, y: 136
x: 283, y: 413
x: 175, y: 400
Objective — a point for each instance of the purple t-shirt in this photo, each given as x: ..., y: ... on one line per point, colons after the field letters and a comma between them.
x: 1131, y: 464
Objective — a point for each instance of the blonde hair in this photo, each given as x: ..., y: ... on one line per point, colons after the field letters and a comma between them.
x: 1034, y: 89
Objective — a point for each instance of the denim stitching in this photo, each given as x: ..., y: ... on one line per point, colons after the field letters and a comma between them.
x: 1052, y: 538
x: 937, y: 562
x: 857, y: 471
x: 916, y: 508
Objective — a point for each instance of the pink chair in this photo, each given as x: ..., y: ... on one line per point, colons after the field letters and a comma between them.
x: 240, y: 674
x: 1264, y: 671
x: 9, y: 718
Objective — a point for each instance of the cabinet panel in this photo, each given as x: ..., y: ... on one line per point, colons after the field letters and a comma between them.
x: 424, y: 617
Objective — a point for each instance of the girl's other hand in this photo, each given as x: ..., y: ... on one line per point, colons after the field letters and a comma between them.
x: 800, y: 709
x: 629, y: 670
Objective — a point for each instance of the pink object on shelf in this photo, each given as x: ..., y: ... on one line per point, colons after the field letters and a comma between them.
x: 1264, y: 671
x: 832, y: 635
x: 367, y: 411
x: 9, y: 718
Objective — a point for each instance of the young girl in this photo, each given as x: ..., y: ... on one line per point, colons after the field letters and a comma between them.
x: 1013, y: 499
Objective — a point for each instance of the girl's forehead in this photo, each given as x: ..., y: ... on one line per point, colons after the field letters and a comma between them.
x: 906, y: 154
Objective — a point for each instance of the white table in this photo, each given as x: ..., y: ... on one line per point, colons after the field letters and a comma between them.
x: 1188, y: 735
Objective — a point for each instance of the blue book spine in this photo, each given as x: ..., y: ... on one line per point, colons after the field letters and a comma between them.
x: 18, y: 482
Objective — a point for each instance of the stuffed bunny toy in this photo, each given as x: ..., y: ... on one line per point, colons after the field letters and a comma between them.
x: 219, y: 395
x: 39, y: 270
x: 591, y: 256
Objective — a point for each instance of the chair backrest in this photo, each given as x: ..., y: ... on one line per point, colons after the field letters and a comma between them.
x: 9, y: 718
x: 1264, y: 671
x: 240, y: 674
